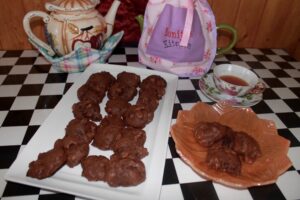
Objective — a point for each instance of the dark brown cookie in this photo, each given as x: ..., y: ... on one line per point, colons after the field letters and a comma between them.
x: 132, y: 152
x: 94, y: 168
x: 150, y: 102
x: 112, y: 120
x: 47, y: 163
x: 83, y: 128
x: 130, y: 79
x: 100, y: 81
x: 75, y: 153
x: 121, y: 91
x: 87, y: 109
x: 58, y: 143
x: 116, y: 107
x: 125, y: 172
x: 148, y: 93
x: 224, y: 160
x: 75, y: 148
x: 138, y: 116
x: 86, y: 93
x: 70, y: 140
x: 206, y: 134
x: 247, y: 147
x: 138, y: 136
x: 156, y: 83
x: 131, y: 138
x: 106, y: 136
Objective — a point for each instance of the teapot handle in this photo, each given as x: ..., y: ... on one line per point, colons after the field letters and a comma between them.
x: 31, y: 35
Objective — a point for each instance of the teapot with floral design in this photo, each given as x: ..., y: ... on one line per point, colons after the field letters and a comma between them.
x: 72, y: 23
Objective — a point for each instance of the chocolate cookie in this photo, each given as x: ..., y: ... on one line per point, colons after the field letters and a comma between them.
x: 94, y: 168
x: 128, y: 78
x: 138, y: 136
x: 156, y: 83
x: 138, y: 116
x: 83, y: 128
x: 131, y: 138
x: 47, y: 163
x: 247, y: 147
x: 75, y: 153
x: 86, y: 93
x: 106, y: 136
x: 112, y: 120
x: 224, y: 160
x: 70, y: 140
x: 75, y: 148
x: 206, y: 134
x: 116, y: 107
x: 125, y: 172
x: 132, y: 152
x: 87, y: 109
x: 100, y: 81
x: 121, y: 91
x: 150, y: 102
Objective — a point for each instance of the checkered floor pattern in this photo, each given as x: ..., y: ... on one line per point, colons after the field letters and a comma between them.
x: 30, y: 89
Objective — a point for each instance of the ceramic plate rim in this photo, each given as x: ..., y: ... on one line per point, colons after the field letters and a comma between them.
x: 79, y: 186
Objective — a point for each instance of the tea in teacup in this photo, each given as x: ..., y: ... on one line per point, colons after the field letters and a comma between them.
x: 236, y: 80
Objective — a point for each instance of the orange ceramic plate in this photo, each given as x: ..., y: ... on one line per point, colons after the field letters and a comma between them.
x: 265, y: 170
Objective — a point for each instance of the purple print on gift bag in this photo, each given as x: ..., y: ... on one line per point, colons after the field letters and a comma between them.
x: 167, y: 34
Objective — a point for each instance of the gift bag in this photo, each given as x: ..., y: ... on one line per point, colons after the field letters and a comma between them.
x: 179, y: 36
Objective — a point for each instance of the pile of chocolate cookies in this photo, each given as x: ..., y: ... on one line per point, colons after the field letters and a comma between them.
x: 120, y: 130
x: 227, y: 149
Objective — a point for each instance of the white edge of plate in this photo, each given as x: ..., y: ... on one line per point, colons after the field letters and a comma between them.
x: 150, y: 188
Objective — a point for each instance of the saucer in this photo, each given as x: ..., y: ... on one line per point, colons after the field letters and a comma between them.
x: 208, y: 87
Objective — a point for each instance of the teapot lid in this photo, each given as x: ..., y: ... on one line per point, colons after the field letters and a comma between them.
x: 71, y: 5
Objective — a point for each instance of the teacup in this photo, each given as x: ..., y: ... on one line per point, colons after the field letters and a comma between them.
x: 236, y: 80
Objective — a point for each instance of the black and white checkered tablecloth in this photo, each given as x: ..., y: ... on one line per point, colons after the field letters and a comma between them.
x: 30, y: 89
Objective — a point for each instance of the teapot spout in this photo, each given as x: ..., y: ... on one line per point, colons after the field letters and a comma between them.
x: 110, y: 17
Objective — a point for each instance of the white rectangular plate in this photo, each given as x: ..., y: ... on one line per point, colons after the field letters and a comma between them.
x: 69, y: 180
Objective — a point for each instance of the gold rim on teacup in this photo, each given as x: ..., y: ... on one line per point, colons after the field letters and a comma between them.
x: 237, y: 80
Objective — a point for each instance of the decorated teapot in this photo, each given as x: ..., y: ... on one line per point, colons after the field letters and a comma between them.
x: 72, y: 23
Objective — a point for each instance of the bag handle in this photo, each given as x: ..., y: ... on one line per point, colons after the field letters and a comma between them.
x: 188, y: 23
